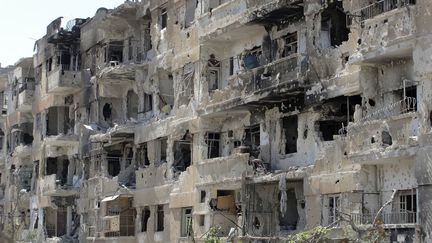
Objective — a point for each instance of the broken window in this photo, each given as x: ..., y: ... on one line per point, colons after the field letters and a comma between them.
x: 288, y: 219
x: 21, y: 135
x: 4, y: 100
x: 57, y: 166
x: 114, y: 52
x: 182, y: 153
x: 186, y: 222
x: 202, y: 196
x: 190, y: 12
x: 330, y: 128
x: 163, y: 149
x: 58, y: 121
x: 163, y: 17
x: 333, y: 203
x: 148, y: 102
x: 214, y: 73
x: 253, y: 58
x: 113, y: 165
x: 290, y: 133
x: 252, y: 140
x: 49, y: 64
x: 146, y: 34
x: 334, y: 29
x: 226, y: 200
x: 409, y: 95
x: 142, y: 156
x: 213, y: 145
x: 64, y: 61
x: 25, y: 177
x: 166, y: 91
x: 55, y: 221
x: 145, y: 215
x: 287, y: 45
x: 107, y: 112
x: 160, y: 218
x: 404, y: 207
x: 132, y: 104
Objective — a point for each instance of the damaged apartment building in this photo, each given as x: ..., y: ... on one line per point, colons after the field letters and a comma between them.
x: 244, y: 120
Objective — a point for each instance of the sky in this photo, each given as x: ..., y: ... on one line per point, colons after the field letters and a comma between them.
x: 22, y: 22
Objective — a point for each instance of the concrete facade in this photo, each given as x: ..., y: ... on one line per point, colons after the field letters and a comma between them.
x: 249, y: 120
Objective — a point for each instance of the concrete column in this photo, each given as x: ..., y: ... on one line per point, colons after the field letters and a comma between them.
x: 138, y: 220
x: 71, y: 171
x: 69, y: 220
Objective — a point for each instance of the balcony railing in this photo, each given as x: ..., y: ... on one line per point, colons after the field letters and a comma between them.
x: 69, y: 67
x: 117, y: 224
x: 386, y: 218
x: 409, y: 104
x: 380, y: 7
x: 262, y: 77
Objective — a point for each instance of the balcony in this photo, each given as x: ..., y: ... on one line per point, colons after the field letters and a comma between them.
x: 64, y: 79
x: 117, y: 73
x: 231, y: 15
x: 384, y: 134
x: 25, y: 100
x: 223, y: 16
x: 388, y: 219
x: 388, y: 30
x: 26, y: 95
x: 52, y: 186
x: 228, y: 169
x: 260, y: 84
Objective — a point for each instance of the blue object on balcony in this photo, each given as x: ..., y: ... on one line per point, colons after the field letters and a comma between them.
x: 251, y: 61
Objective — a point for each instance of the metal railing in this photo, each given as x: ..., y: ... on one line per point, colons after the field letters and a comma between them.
x: 69, y: 67
x: 263, y: 77
x: 380, y: 7
x: 386, y: 218
x: 409, y: 104
x: 126, y: 225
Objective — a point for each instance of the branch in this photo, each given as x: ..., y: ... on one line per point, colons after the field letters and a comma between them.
x: 375, y: 222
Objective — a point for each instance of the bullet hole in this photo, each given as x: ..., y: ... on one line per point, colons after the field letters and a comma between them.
x: 382, y: 71
x: 305, y: 133
x: 385, y: 21
x: 371, y: 102
x: 337, y: 181
x: 303, y: 204
x: 345, y: 153
x: 373, y: 140
x: 256, y: 223
x: 359, y: 41
x: 187, y: 35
